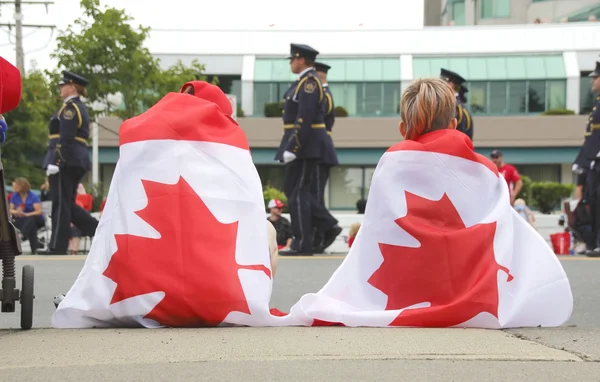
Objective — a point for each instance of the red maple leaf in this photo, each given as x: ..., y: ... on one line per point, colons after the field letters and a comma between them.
x: 193, y: 261
x: 454, y: 269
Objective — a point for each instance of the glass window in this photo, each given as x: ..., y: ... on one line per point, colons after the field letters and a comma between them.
x: 487, y: 9
x: 368, y: 177
x: 391, y: 98
x: 373, y: 99
x: 345, y: 187
x: 517, y: 91
x: 498, y: 96
x: 267, y: 92
x: 556, y: 95
x: 478, y: 97
x: 458, y: 13
x: 541, y: 172
x: 271, y: 176
x: 536, y: 97
x: 586, y: 97
x: 495, y: 8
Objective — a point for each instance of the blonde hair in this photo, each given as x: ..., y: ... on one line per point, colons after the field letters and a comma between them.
x: 354, y: 230
x: 427, y: 105
x: 81, y: 90
x: 24, y: 183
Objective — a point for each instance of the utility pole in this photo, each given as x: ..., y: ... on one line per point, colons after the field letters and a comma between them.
x: 19, y: 28
x: 19, y: 37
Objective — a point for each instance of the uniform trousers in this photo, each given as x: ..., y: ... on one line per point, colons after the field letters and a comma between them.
x: 63, y: 190
x: 319, y: 193
x: 306, y: 213
x: 592, y: 199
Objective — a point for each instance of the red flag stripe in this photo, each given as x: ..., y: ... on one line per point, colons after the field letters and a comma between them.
x: 182, y: 117
x: 451, y: 142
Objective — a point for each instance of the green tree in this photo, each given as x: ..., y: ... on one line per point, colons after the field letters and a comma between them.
x: 109, y: 52
x: 24, y: 150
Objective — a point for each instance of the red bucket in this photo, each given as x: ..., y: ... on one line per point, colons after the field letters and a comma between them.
x: 561, y: 243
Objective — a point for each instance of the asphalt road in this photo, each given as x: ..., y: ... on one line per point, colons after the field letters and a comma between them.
x: 294, y: 277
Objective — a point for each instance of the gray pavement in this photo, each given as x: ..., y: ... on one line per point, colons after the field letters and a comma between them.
x: 571, y: 352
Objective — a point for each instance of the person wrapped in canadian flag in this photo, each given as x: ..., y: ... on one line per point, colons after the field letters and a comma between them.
x: 182, y: 239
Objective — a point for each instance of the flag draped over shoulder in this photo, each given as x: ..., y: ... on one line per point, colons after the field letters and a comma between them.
x: 440, y: 246
x: 182, y: 240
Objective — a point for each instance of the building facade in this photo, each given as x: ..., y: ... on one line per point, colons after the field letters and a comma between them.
x: 504, y: 12
x: 516, y: 75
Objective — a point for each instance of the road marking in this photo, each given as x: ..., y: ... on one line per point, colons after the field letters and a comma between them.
x: 317, y: 257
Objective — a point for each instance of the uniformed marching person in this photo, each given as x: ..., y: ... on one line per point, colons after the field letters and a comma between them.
x: 331, y: 158
x: 462, y: 94
x: 303, y: 147
x: 66, y: 163
x: 588, y: 163
x: 463, y: 116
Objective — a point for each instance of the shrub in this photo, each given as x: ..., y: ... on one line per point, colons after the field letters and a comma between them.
x: 525, y: 193
x: 340, y: 111
x: 240, y: 112
x: 274, y: 109
x: 273, y: 193
x: 558, y: 112
x: 97, y: 192
x: 546, y: 196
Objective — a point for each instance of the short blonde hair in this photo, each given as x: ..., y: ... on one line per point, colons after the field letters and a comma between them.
x: 427, y: 105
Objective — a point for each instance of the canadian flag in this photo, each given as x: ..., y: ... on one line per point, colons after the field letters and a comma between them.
x: 440, y: 246
x: 182, y: 240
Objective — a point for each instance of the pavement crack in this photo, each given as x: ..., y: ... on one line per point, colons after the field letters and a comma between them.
x: 582, y: 356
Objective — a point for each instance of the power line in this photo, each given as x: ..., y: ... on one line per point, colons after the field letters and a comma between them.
x: 19, y: 27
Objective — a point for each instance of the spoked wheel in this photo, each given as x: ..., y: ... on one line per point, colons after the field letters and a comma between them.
x: 27, y: 298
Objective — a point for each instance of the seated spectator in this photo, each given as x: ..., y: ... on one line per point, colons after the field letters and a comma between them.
x: 521, y: 207
x: 281, y: 224
x: 352, y: 233
x: 361, y: 205
x: 26, y: 210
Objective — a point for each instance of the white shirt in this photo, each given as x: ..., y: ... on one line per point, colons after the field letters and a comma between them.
x: 304, y: 71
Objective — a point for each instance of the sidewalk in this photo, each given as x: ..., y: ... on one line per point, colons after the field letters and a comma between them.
x: 302, y: 354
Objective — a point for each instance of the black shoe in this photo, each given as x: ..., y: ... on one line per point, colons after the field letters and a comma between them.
x: 331, y: 235
x: 51, y: 252
x: 318, y: 249
x: 594, y: 253
x: 293, y: 252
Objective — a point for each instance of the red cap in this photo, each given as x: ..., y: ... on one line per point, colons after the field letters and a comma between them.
x: 212, y: 93
x: 10, y: 86
x: 275, y: 203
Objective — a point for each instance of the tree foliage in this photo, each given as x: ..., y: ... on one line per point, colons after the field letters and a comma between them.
x: 104, y: 47
x: 24, y: 150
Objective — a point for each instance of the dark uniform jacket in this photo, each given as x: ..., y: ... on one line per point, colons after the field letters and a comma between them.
x: 591, y: 145
x: 304, y: 119
x: 331, y: 158
x: 463, y: 116
x: 69, y: 130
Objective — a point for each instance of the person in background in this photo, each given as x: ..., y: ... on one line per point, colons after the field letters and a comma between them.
x: 525, y: 212
x: 26, y: 209
x: 330, y: 158
x: 45, y: 191
x: 76, y: 233
x: 463, y: 115
x: 510, y: 173
x: 66, y: 163
x: 281, y: 224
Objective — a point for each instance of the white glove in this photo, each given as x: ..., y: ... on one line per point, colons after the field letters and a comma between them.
x: 51, y: 170
x: 288, y: 157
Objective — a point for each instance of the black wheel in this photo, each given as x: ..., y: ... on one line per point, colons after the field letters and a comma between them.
x: 27, y: 298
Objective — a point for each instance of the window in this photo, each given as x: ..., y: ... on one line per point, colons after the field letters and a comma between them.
x: 495, y: 9
x: 271, y: 176
x: 267, y: 92
x: 345, y: 187
x: 540, y: 172
x: 458, y: 12
x: 516, y: 97
x: 586, y: 97
x: 367, y: 98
